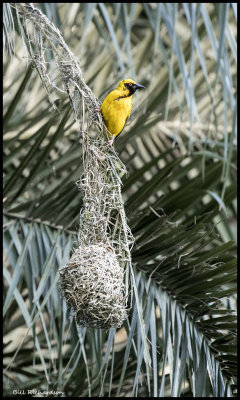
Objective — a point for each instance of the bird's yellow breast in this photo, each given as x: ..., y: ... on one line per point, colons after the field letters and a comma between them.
x: 116, y: 109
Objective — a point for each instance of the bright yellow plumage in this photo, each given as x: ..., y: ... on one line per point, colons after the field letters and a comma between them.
x: 117, y: 107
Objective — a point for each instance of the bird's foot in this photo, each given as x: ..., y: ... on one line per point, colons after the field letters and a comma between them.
x: 110, y: 142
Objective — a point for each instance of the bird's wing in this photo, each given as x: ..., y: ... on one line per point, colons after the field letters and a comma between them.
x: 123, y: 127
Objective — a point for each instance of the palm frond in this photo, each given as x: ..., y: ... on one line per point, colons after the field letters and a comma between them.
x: 181, y: 287
x: 180, y: 197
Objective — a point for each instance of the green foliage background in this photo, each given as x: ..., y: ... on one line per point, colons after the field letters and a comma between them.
x: 180, y: 195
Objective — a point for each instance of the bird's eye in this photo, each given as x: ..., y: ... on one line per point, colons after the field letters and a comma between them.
x: 130, y: 84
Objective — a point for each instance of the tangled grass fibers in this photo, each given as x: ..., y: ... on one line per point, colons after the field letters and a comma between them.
x: 95, y: 280
x: 92, y: 284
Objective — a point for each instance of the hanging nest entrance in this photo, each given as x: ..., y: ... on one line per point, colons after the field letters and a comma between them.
x: 93, y: 286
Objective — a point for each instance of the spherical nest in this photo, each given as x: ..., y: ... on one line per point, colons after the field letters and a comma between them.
x: 93, y: 285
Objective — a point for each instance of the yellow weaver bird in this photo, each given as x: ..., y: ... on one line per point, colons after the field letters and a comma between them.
x: 117, y: 107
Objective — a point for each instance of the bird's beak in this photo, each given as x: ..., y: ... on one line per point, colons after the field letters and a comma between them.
x: 137, y: 86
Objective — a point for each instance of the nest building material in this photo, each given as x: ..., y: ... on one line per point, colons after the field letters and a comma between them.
x: 103, y: 225
x: 93, y: 286
x: 93, y: 281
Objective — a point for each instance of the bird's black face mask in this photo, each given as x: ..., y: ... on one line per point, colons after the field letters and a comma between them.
x: 133, y: 87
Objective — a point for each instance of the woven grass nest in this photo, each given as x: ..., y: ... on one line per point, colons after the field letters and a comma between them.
x: 93, y: 285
